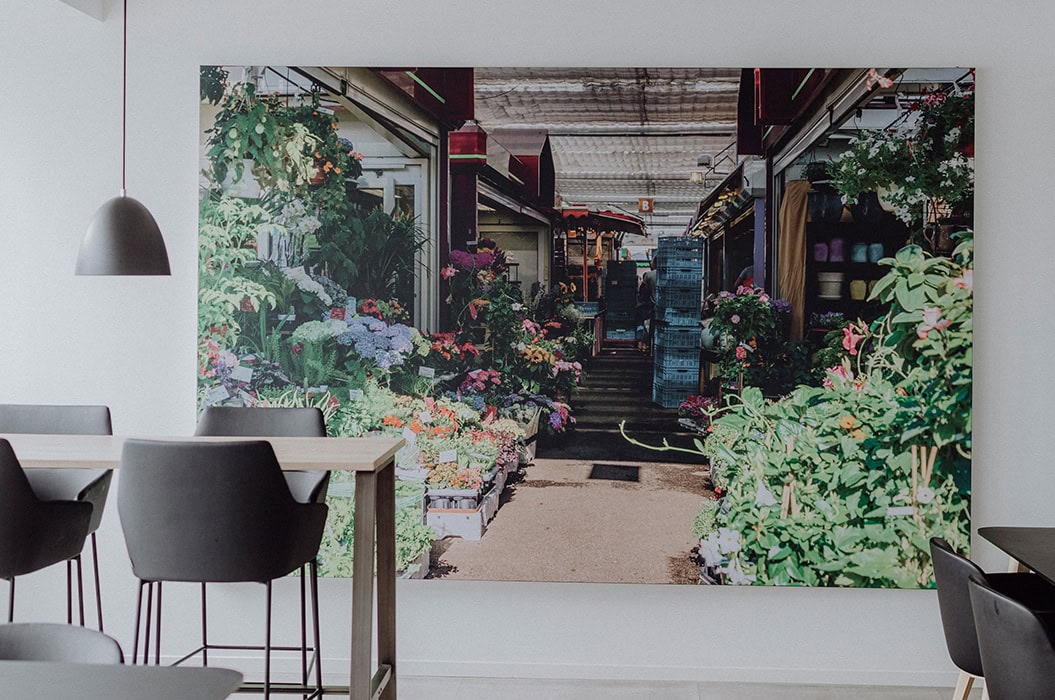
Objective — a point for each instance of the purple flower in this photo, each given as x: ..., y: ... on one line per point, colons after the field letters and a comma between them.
x: 462, y: 260
x: 555, y: 421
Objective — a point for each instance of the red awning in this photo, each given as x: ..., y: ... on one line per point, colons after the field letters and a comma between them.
x: 611, y: 220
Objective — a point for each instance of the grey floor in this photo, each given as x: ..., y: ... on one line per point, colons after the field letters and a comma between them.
x: 427, y: 688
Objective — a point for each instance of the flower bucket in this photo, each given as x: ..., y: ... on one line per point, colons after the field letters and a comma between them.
x: 830, y: 285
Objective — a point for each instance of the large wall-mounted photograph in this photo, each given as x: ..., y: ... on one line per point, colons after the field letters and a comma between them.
x: 636, y: 325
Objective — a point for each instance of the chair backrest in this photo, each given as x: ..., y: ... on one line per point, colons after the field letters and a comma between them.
x: 258, y: 422
x: 1016, y: 646
x: 42, y: 641
x: 196, y: 511
x: 55, y: 420
x: 951, y: 571
x: 34, y: 533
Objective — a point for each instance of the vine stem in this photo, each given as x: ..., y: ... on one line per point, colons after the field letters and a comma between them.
x: 665, y: 447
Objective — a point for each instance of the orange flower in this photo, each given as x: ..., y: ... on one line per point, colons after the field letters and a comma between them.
x: 858, y: 434
x: 392, y: 421
x: 847, y: 422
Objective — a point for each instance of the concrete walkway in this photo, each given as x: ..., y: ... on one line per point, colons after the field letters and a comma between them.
x: 586, y: 521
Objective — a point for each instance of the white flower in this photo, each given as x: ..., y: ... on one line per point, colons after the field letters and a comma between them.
x: 763, y: 496
x: 728, y: 540
x: 734, y: 574
x: 709, y: 551
x: 924, y: 494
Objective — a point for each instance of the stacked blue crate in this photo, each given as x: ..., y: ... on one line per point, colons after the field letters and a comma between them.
x: 676, y: 349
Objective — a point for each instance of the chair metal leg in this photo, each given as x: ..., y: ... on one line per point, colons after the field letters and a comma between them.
x: 11, y: 601
x: 204, y: 629
x: 146, y: 636
x: 303, y: 630
x: 267, y: 646
x: 69, y: 591
x: 135, y: 635
x: 157, y: 631
x: 313, y: 567
x: 80, y: 588
x: 98, y: 590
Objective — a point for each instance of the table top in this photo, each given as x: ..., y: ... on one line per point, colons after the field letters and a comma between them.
x: 52, y: 680
x: 1034, y: 547
x: 293, y: 453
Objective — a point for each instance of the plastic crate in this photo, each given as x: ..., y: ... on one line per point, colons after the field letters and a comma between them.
x: 674, y: 316
x: 671, y: 275
x: 687, y: 298
x: 676, y: 359
x: 671, y: 396
x: 678, y: 376
x: 679, y: 243
x: 677, y: 337
x: 619, y: 334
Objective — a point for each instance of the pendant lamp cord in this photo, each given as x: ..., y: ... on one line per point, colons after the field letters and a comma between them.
x: 124, y: 96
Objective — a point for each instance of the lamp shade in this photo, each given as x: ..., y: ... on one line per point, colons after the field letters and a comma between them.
x: 123, y: 239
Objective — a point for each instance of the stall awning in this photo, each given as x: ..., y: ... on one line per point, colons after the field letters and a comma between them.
x: 608, y: 220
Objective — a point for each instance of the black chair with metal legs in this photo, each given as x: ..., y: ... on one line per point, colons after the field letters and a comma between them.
x: 306, y: 486
x: 35, y: 533
x: 1015, y: 642
x: 43, y: 641
x: 212, y: 512
x: 951, y: 573
x: 87, y: 485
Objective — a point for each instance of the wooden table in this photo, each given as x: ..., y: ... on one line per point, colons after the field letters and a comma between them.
x: 52, y: 680
x: 1030, y: 548
x: 373, y: 462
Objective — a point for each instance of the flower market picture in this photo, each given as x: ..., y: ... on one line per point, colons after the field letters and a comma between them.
x: 640, y: 325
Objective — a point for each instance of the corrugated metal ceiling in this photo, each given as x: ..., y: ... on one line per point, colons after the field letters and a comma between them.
x: 618, y: 134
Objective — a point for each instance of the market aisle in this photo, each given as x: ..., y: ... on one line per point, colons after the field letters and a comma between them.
x: 586, y: 521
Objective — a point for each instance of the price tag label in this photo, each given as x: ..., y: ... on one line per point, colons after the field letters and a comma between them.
x: 242, y: 374
x: 427, y: 372
x: 217, y: 393
x: 410, y: 436
x: 425, y: 417
x: 287, y: 317
x: 448, y: 456
x: 355, y: 394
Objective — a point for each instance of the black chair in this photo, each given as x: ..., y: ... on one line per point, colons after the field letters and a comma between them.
x: 88, y: 485
x: 35, y: 533
x: 1015, y: 642
x: 211, y: 512
x: 951, y: 573
x: 306, y: 486
x: 42, y: 641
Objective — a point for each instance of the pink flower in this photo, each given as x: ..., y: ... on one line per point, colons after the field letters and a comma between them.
x: 741, y: 352
x: 734, y: 319
x: 966, y: 281
x: 851, y: 338
x: 840, y: 373
x: 448, y: 272
x: 932, y: 321
x: 297, y: 348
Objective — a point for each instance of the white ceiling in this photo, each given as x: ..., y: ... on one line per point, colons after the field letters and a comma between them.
x: 619, y: 134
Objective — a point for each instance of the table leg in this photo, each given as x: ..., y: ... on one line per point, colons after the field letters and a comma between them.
x: 386, y: 575
x: 363, y: 586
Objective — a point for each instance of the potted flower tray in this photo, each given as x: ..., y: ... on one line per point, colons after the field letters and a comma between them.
x: 460, y: 512
x: 526, y: 451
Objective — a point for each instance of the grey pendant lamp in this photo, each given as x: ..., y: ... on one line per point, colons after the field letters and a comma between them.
x: 123, y: 238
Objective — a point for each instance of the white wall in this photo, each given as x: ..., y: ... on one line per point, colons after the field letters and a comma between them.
x: 130, y: 342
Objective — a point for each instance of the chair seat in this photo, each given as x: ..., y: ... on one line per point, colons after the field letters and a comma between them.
x: 86, y: 485
x: 42, y: 641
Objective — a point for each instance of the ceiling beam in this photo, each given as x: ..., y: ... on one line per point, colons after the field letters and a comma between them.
x: 95, y: 9
x: 629, y: 129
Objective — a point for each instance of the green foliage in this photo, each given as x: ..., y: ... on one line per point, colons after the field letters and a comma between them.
x: 213, y: 84
x: 226, y: 236
x: 752, y: 333
x: 391, y: 244
x: 830, y: 486
x: 260, y: 129
x: 704, y: 522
